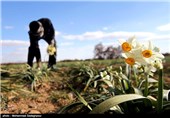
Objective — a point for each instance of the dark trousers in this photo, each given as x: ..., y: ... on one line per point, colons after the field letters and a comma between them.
x: 33, y: 52
x: 52, y: 60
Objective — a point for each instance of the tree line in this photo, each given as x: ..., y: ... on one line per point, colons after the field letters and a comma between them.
x: 106, y: 52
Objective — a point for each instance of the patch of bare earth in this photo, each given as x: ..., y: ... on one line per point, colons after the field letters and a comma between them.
x: 48, y: 97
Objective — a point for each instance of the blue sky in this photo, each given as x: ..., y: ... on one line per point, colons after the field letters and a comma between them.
x: 80, y: 25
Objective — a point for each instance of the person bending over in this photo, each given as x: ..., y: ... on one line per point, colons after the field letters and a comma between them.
x: 41, y: 29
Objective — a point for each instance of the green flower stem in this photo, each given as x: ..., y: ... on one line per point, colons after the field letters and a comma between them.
x: 127, y: 70
x: 146, y: 86
x: 160, y: 92
x: 135, y: 76
x: 130, y: 72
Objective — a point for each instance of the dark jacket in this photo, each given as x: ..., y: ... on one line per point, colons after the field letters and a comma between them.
x: 49, y: 33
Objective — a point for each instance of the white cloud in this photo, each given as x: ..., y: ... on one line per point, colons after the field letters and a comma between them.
x: 16, y: 50
x: 164, y: 27
x: 8, y: 27
x: 114, y: 44
x: 14, y: 43
x: 57, y: 33
x: 106, y: 35
x: 14, y: 54
x: 83, y: 52
x: 43, y: 49
x: 123, y: 34
x: 66, y: 44
x: 158, y: 37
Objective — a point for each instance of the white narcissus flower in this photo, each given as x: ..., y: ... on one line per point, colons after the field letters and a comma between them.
x: 149, y: 69
x: 151, y: 53
x: 105, y: 75
x: 158, y: 64
x: 129, y: 58
x: 145, y: 55
x: 128, y: 45
x: 132, y: 51
x: 134, y: 57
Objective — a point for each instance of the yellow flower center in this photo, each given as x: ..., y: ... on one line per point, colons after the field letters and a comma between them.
x: 130, y: 61
x: 147, y: 53
x: 126, y: 47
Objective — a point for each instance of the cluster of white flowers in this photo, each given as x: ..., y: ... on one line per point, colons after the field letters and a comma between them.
x: 136, y: 53
x: 51, y: 49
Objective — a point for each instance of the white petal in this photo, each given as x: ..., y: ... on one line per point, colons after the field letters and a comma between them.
x: 157, y: 55
x: 150, y: 46
x: 124, y: 55
x: 121, y: 41
x: 131, y: 39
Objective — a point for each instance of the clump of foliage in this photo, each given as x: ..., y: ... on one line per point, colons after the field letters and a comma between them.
x: 134, y: 89
x: 35, y: 76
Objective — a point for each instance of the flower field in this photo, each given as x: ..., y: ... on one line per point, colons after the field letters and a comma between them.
x: 137, y: 83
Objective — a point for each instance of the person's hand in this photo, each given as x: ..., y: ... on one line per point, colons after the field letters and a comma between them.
x: 52, y: 42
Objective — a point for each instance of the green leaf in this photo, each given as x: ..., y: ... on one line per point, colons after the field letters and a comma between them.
x: 109, y: 83
x: 88, y: 83
x: 109, y: 103
x: 160, y: 91
x: 125, y: 84
x: 69, y: 107
x: 80, y: 97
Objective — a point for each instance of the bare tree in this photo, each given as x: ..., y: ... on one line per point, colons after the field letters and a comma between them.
x: 98, y: 50
x: 118, y: 52
x: 109, y: 52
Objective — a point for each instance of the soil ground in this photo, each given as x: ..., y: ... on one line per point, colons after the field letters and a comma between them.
x: 48, y: 97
